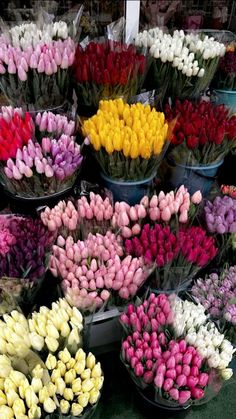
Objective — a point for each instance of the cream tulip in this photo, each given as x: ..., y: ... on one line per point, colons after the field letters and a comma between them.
x: 76, y: 409
x: 64, y: 355
x: 61, y: 367
x: 30, y: 397
x: 60, y: 385
x: 6, y: 412
x: 51, y: 343
x: 18, y: 407
x: 36, y: 384
x: 49, y: 405
x: 90, y: 361
x: 97, y: 371
x: 87, y: 385
x: 83, y: 399
x: 94, y: 396
x: 70, y: 376
x: 68, y: 394
x: 34, y: 412
x: 64, y: 406
x: 76, y: 385
x: 51, y: 362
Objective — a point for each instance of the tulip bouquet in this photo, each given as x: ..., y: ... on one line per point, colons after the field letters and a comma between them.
x: 220, y: 220
x: 62, y: 386
x: 43, y: 169
x: 161, y: 208
x: 225, y: 77
x: 128, y: 140
x: 95, y: 269
x: 35, y: 64
x: 220, y: 215
x: 47, y: 330
x: 107, y: 70
x: 203, y: 133
x: 77, y: 381
x: 177, y: 256
x: 172, y: 354
x: 24, y: 245
x: 217, y: 293
x: 183, y: 65
x: 48, y: 124
x: 16, y: 129
x: 26, y: 389
x: 77, y: 219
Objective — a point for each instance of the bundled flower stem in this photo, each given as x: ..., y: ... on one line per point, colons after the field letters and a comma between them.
x: 203, y: 133
x: 35, y: 65
x: 183, y: 65
x: 162, y: 350
x: 177, y: 255
x: 107, y: 70
x: 217, y: 293
x: 128, y: 140
x: 94, y: 269
x: 43, y: 169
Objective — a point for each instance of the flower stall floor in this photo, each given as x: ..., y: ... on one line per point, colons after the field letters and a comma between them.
x: 118, y: 397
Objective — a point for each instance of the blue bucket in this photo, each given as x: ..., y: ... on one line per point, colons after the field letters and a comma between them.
x: 226, y: 97
x: 130, y: 192
x: 195, y: 177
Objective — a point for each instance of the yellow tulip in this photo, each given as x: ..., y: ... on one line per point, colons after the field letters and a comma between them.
x: 94, y: 396
x: 90, y: 361
x: 60, y: 386
x: 134, y: 149
x: 3, y: 399
x: 76, y: 409
x: 86, y: 373
x: 117, y: 142
x: 64, y: 406
x: 68, y: 394
x: 83, y: 399
x: 109, y: 145
x: 49, y: 405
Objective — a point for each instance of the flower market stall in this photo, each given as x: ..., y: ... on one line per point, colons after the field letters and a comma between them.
x: 117, y: 215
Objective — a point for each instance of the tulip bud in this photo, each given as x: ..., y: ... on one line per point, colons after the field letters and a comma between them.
x: 3, y: 399
x: 18, y: 407
x: 86, y: 373
x: 51, y: 362
x: 90, y: 361
x: 79, y: 367
x: 49, y: 405
x: 11, y: 396
x: 70, y: 376
x: 98, y: 382
x: 76, y: 409
x: 83, y: 399
x: 65, y: 329
x: 6, y: 412
x: 94, y: 396
x: 38, y: 372
x: 76, y: 385
x: 68, y: 394
x: 226, y: 374
x: 36, y: 384
x: 64, y: 407
x: 30, y: 397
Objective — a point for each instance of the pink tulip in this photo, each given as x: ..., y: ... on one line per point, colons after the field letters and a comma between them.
x: 174, y: 347
x: 192, y: 381
x: 139, y: 370
x: 105, y: 295
x: 196, y: 198
x: 171, y: 373
x: 125, y: 345
x: 126, y: 232
x: 22, y: 73
x: 174, y: 393
x: 197, y: 360
x: 168, y: 384
x: 197, y: 393
x: 154, y: 201
x: 148, y: 377
x: 149, y: 364
x: 11, y: 67
x: 2, y: 69
x: 133, y: 214
x: 8, y: 172
x: 134, y: 361
x: 183, y: 218
x: 170, y: 362
x: 181, y: 380
x: 184, y: 396
x: 159, y: 380
x: 203, y: 379
x: 141, y: 212
x: 194, y: 371
x: 154, y: 214
x: 166, y: 355
x: 136, y: 229
x: 49, y: 171
x: 182, y: 346
x: 162, y: 338
x: 178, y: 369
x: 124, y: 293
x: 186, y: 370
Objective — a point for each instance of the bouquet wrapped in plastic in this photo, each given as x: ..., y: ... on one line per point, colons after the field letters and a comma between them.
x: 107, y: 70
x: 183, y: 64
x: 42, y: 157
x: 35, y: 64
x: 129, y: 141
x: 172, y: 353
x: 67, y: 385
x: 24, y: 247
x: 225, y: 77
x: 217, y: 293
x: 95, y: 270
x: 177, y: 255
x: 203, y: 133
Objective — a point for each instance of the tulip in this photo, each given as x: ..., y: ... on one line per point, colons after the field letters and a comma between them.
x: 184, y: 396
x: 197, y: 393
x: 64, y: 407
x: 174, y: 393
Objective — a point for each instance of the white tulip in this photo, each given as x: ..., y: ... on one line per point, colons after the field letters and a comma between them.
x: 201, y: 72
